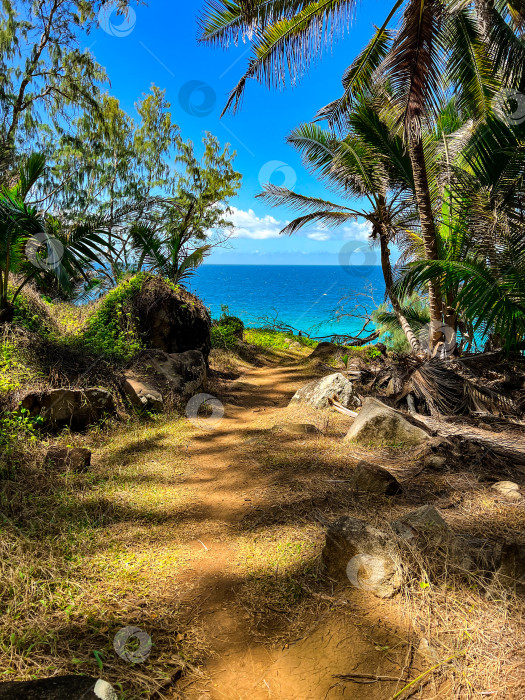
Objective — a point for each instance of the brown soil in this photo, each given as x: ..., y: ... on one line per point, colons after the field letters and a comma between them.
x: 241, y: 664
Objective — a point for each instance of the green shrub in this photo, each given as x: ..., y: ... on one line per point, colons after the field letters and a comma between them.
x: 234, y: 323
x: 12, y: 372
x: 373, y: 352
x: 414, y: 309
x: 277, y: 340
x: 17, y: 427
x: 306, y: 342
x: 223, y: 336
x: 32, y: 312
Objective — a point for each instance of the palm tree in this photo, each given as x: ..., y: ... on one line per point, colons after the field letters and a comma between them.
x: 434, y: 35
x: 367, y: 164
x: 484, y: 257
x: 166, y: 251
x: 33, y: 244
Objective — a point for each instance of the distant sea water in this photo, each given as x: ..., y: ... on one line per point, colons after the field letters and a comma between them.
x: 303, y: 296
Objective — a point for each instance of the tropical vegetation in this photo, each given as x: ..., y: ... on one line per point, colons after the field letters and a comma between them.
x: 89, y: 195
x: 427, y: 138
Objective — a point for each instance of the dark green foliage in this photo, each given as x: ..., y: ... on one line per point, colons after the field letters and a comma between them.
x: 414, y: 309
x: 234, y: 323
x: 223, y: 337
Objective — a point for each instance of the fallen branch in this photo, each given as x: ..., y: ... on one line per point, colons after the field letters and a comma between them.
x: 342, y: 409
x: 368, y: 678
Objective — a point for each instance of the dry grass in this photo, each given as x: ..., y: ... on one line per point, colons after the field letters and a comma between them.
x: 460, y: 614
x: 84, y: 555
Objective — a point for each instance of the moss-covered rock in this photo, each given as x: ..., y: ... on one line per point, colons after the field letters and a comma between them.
x: 147, y: 311
x: 233, y: 323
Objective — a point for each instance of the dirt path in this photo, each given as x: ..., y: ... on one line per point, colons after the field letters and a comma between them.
x: 240, y: 666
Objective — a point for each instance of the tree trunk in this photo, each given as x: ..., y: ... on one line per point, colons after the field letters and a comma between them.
x: 428, y: 230
x: 484, y: 9
x: 389, y: 284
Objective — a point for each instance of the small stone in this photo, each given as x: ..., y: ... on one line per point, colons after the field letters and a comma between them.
x: 428, y: 651
x: 508, y: 489
x: 359, y: 554
x: 76, y: 459
x: 511, y: 573
x: 297, y: 428
x: 432, y: 461
x: 475, y: 553
x: 374, y: 479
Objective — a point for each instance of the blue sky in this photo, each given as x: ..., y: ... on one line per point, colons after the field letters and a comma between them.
x: 158, y: 45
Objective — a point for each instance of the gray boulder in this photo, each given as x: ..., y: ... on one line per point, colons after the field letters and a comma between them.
x: 317, y: 393
x: 184, y: 372
x: 73, y: 408
x: 378, y: 424
x: 423, y: 527
x: 142, y: 395
x: 76, y: 459
x: 374, y: 479
x: 363, y: 556
x: 170, y: 318
x: 58, y: 688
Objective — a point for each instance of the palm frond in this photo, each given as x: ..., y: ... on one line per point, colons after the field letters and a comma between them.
x: 30, y: 171
x: 348, y: 165
x: 414, y: 65
x: 469, y: 68
x: 286, y: 47
x: 358, y: 76
x: 278, y: 196
x: 222, y: 22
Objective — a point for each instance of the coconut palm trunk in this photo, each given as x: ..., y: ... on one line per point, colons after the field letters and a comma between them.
x: 414, y: 72
x: 428, y: 230
x: 389, y: 286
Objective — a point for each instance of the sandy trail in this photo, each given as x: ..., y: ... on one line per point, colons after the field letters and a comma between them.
x: 239, y: 667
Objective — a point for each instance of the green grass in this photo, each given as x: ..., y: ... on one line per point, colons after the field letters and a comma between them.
x: 269, y: 339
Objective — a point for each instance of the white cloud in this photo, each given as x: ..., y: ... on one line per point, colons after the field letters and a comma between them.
x: 249, y: 225
x: 358, y: 231
x: 319, y: 236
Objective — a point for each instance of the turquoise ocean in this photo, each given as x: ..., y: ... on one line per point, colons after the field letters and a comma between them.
x: 304, y: 296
